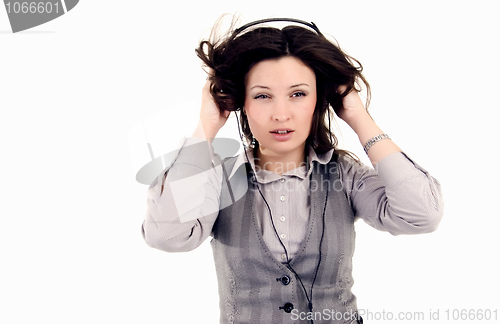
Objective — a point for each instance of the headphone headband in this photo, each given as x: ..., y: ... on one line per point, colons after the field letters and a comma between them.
x: 261, y: 21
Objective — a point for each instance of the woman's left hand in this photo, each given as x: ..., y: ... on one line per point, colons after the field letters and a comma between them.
x: 353, y: 112
x: 352, y: 108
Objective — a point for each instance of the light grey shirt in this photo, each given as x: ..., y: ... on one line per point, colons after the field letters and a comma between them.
x: 397, y: 196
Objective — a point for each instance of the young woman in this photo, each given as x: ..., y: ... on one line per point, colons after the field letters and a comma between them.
x: 282, y: 213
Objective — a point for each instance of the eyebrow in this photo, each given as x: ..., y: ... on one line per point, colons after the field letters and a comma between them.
x: 292, y: 86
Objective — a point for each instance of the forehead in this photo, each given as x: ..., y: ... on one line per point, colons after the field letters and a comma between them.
x: 281, y: 71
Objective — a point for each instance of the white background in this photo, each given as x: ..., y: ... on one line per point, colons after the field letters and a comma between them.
x: 72, y: 92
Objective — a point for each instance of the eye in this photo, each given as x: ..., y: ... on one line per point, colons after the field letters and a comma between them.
x: 261, y: 96
x: 298, y: 94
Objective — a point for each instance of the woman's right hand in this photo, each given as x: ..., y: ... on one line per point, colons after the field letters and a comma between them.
x: 211, y: 119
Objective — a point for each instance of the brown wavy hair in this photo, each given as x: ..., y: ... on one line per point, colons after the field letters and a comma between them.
x: 229, y: 59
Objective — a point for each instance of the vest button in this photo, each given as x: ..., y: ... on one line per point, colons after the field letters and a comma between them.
x: 285, y: 280
x: 288, y: 307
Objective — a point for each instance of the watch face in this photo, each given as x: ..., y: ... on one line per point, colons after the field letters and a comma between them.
x: 28, y: 14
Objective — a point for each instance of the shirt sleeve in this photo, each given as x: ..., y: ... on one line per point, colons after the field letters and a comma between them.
x: 183, y: 201
x: 397, y: 195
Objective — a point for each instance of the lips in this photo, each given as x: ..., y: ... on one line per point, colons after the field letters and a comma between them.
x: 282, y: 134
x: 282, y: 131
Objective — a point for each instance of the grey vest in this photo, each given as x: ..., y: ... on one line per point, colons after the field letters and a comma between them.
x: 254, y: 287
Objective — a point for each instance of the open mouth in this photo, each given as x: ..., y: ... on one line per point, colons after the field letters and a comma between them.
x: 282, y: 132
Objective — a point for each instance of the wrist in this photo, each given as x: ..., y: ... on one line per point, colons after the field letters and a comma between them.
x: 366, y: 128
x: 361, y: 122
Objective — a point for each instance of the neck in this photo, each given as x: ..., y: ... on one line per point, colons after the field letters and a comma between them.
x: 278, y: 163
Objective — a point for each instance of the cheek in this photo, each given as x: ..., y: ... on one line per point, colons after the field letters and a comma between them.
x: 254, y: 122
x: 254, y: 119
x: 309, y: 112
x: 255, y: 112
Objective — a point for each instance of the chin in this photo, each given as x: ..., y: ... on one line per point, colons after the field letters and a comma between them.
x: 281, y: 148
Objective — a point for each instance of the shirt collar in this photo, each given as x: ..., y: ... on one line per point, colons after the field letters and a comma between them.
x: 264, y: 176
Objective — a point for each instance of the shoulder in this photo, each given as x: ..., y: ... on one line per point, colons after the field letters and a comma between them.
x: 352, y: 173
x: 235, y: 180
x: 337, y: 161
x: 233, y: 164
x: 229, y: 162
x: 348, y: 164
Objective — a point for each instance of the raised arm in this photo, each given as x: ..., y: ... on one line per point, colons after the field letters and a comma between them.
x: 398, y: 195
x: 183, y: 202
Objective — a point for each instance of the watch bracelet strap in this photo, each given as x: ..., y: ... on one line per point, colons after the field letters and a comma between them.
x: 374, y: 140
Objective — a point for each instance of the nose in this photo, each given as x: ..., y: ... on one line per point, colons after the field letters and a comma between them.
x: 281, y: 111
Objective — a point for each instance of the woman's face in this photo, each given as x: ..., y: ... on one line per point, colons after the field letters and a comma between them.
x: 280, y: 97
